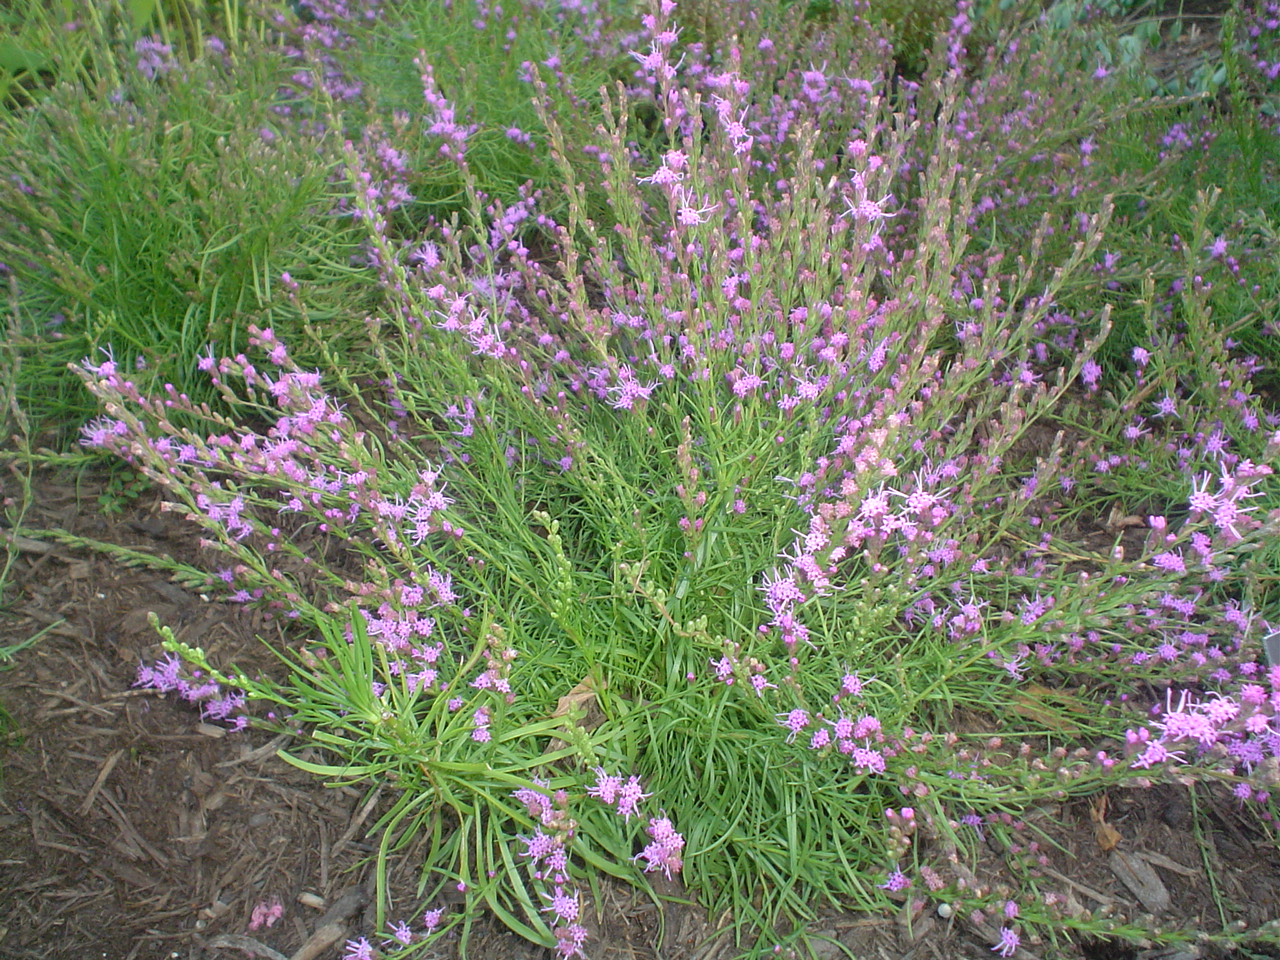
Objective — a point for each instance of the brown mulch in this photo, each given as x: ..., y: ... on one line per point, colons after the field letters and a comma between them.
x: 130, y: 830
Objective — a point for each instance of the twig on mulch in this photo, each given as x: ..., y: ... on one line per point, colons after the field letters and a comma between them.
x: 333, y: 925
x: 358, y: 820
x: 1102, y: 898
x: 87, y: 804
x: 261, y: 753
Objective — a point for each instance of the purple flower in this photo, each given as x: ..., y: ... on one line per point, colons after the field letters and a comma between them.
x: 781, y: 591
x: 864, y: 759
x: 897, y: 880
x: 629, y: 796
x: 154, y: 58
x: 401, y: 933
x: 539, y: 846
x: 664, y: 853
x: 1155, y: 753
x: 1009, y: 943
x: 688, y: 214
x: 724, y: 670
x: 795, y: 721
x: 606, y: 788
x: 628, y: 390
x: 569, y: 940
x: 563, y: 905
x: 862, y: 207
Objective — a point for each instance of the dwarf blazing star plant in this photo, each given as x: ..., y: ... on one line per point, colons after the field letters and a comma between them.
x: 676, y: 546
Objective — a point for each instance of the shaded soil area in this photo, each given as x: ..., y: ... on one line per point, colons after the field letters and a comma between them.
x: 130, y: 830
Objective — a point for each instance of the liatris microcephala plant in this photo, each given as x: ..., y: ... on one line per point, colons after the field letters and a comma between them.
x: 714, y: 519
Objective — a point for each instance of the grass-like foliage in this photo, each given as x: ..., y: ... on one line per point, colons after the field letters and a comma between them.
x: 150, y: 208
x: 157, y: 183
x: 734, y: 528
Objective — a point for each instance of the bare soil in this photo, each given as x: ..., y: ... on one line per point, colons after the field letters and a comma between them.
x: 130, y: 830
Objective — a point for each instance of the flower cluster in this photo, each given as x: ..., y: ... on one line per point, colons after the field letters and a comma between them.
x: 547, y: 851
x: 216, y: 701
x: 1235, y: 730
x: 155, y: 58
x: 664, y: 852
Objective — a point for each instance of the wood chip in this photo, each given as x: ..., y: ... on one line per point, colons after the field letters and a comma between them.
x: 79, y: 570
x: 110, y: 764
x: 261, y: 753
x: 311, y: 900
x: 26, y: 544
x: 358, y: 820
x: 254, y: 948
x: 1102, y: 898
x: 173, y: 593
x: 130, y: 834
x: 1136, y: 874
x: 345, y: 904
x: 320, y: 941
x: 333, y: 926
x: 215, y: 910
x: 1160, y: 860
x: 130, y: 874
x: 913, y: 925
x: 1104, y: 833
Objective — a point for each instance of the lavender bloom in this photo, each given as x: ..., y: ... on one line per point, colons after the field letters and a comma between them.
x: 564, y: 905
x: 896, y: 882
x: 154, y: 58
x: 401, y: 935
x: 664, y: 853
x: 795, y: 721
x: 629, y: 796
x: 1009, y: 943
